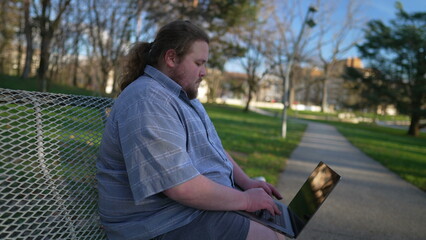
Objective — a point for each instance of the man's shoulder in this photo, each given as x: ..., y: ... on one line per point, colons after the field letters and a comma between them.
x: 145, y: 96
x: 146, y: 89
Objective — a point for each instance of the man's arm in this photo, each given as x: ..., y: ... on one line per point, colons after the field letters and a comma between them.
x: 245, y: 182
x: 203, y: 193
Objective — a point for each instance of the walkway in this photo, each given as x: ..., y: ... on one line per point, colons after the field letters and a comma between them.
x: 370, y: 202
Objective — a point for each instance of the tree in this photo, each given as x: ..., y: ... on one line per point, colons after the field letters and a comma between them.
x: 77, y: 30
x: 282, y: 40
x: 338, y: 38
x: 221, y: 19
x: 288, y: 49
x: 369, y: 86
x: 251, y: 64
x: 28, y: 26
x: 110, y: 32
x: 48, y: 18
x: 398, y: 51
x: 9, y: 22
x: 252, y: 39
x: 214, y: 81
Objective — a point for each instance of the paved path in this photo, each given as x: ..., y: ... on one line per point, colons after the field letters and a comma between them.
x: 370, y: 202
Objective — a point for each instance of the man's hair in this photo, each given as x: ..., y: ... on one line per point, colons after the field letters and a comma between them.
x: 178, y: 35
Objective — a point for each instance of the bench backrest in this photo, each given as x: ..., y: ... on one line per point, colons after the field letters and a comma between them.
x: 48, y: 150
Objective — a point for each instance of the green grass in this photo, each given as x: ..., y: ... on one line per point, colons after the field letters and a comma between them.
x: 254, y: 140
x: 403, y: 154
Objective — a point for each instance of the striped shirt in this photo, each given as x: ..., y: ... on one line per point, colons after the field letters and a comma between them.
x: 155, y: 138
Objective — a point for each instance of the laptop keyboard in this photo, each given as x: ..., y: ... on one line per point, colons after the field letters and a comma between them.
x: 266, y: 215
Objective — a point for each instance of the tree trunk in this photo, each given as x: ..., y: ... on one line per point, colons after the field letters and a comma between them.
x: 19, y: 57
x: 292, y: 96
x: 324, y: 98
x: 307, y: 93
x: 47, y: 29
x: 44, y: 61
x: 29, y: 39
x: 105, y: 75
x: 2, y: 61
x: 324, y: 95
x: 414, y: 128
x: 249, y: 97
x: 76, y: 63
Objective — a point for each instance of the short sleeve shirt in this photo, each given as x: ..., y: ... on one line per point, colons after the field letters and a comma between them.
x: 155, y: 138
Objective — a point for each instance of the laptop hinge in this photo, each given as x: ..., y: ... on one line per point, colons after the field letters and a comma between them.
x: 297, y: 224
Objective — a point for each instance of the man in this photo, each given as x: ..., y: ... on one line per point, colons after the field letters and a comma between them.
x: 162, y: 170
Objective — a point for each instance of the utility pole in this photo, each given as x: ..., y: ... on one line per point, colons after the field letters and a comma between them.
x: 311, y: 23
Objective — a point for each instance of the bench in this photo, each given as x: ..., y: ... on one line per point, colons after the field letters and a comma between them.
x: 48, y: 151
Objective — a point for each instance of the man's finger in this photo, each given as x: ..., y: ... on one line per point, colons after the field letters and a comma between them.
x: 275, y: 192
x: 277, y: 210
x: 267, y: 190
x: 271, y: 209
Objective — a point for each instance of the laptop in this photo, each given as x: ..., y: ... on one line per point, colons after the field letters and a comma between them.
x: 307, y: 201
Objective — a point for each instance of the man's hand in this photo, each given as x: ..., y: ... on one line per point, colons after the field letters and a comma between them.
x: 242, y: 180
x: 257, y: 199
x: 269, y: 189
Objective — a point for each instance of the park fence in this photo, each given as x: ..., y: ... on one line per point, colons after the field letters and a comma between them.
x: 48, y: 151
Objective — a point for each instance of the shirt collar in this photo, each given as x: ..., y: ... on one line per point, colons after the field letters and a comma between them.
x: 164, y: 80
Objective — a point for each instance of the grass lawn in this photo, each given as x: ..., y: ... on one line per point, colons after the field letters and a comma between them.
x: 405, y: 155
x: 254, y: 140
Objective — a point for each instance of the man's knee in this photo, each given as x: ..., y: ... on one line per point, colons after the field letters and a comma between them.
x: 258, y: 231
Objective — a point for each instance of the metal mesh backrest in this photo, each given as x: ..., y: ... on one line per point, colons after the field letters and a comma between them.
x: 48, y: 149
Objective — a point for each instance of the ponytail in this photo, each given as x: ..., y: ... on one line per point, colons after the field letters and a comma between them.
x: 134, y: 63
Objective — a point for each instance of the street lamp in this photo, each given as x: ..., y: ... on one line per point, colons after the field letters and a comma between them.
x: 311, y: 23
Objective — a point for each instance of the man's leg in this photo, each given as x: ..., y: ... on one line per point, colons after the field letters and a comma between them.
x: 258, y: 231
x: 212, y: 225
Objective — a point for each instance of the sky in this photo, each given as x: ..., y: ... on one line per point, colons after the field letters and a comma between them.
x: 372, y: 9
x: 385, y: 9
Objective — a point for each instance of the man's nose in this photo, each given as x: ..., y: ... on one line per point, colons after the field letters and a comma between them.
x: 203, y: 71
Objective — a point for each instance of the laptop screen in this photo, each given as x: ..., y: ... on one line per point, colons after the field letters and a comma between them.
x: 312, y: 194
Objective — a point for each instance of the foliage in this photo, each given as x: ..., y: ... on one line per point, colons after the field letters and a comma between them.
x: 397, y: 56
x: 370, y: 87
x: 82, y: 42
x: 218, y: 17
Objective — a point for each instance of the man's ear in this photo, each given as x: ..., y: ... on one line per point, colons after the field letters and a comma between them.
x: 170, y: 58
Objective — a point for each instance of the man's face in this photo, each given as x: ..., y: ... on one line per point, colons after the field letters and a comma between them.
x: 192, y: 68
